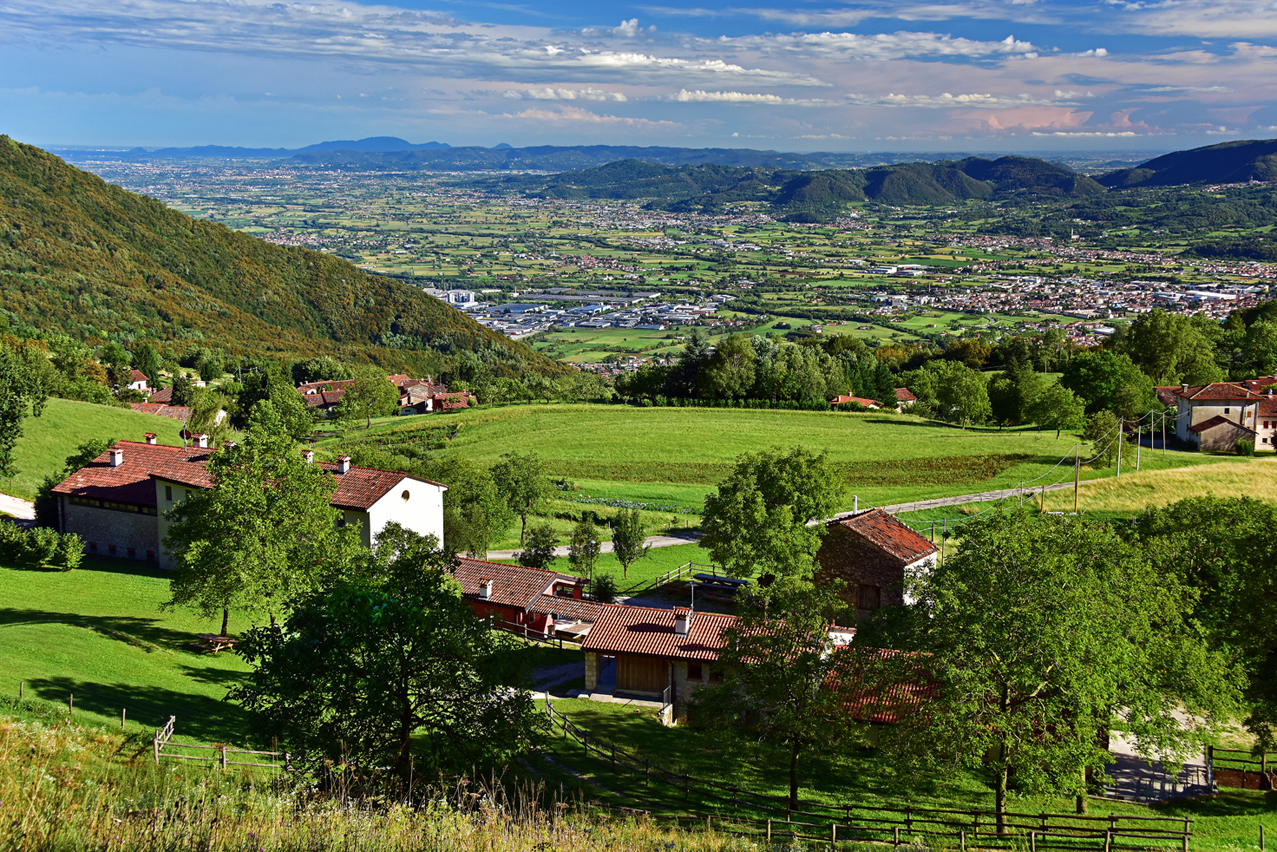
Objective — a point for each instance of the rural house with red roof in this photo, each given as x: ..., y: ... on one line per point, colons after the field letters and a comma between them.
x: 544, y: 602
x: 419, y: 396
x: 872, y: 552
x: 117, y: 502
x: 1218, y: 415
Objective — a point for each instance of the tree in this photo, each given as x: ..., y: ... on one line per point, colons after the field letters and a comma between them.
x: 1058, y: 408
x: 628, y: 538
x: 1172, y: 348
x: 25, y: 379
x: 370, y: 396
x: 961, y: 392
x: 1045, y: 632
x: 522, y: 482
x: 183, y: 391
x: 147, y: 359
x: 474, y: 511
x: 1103, y: 433
x: 274, y: 384
x: 538, y: 550
x: 1223, y: 550
x: 757, y: 517
x: 780, y: 680
x: 1108, y: 380
x: 729, y: 373
x: 584, y: 548
x: 390, y: 668
x: 262, y: 533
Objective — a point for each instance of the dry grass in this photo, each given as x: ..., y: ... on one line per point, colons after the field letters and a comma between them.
x: 1133, y: 492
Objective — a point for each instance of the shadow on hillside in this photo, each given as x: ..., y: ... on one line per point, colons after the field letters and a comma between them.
x: 145, y: 634
x: 114, y: 565
x: 199, y: 717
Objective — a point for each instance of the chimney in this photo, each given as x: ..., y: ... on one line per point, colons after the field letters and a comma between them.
x: 1184, y: 388
x: 343, y: 464
x: 201, y: 441
x: 682, y: 620
x: 117, y: 457
x: 485, y: 588
x: 229, y: 445
x: 150, y: 438
x: 309, y: 456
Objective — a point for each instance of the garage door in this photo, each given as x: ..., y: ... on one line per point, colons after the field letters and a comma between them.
x: 640, y: 674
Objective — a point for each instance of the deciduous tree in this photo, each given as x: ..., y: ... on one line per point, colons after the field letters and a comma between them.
x: 522, y: 482
x: 757, y: 517
x: 25, y: 379
x: 538, y: 550
x: 584, y: 548
x: 628, y: 536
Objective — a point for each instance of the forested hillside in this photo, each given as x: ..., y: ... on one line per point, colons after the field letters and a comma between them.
x: 1227, y: 162
x: 807, y: 196
x: 83, y: 257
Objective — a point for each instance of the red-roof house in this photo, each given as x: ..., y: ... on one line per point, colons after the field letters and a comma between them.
x: 137, y: 381
x: 1215, y: 416
x: 904, y: 399
x: 872, y: 552
x: 546, y: 603
x: 843, y: 399
x: 117, y: 502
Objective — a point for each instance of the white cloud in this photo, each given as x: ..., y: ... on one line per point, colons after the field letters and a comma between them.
x: 701, y: 96
x: 1187, y: 89
x: 627, y: 29
x: 550, y: 93
x: 577, y: 115
x: 1083, y: 134
x: 985, y: 101
x: 877, y: 47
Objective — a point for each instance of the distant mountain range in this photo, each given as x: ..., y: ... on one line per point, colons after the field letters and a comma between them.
x: 1227, y: 162
x: 88, y: 259
x: 373, y: 144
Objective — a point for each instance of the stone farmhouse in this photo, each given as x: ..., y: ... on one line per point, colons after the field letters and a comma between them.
x: 872, y: 552
x: 117, y: 502
x: 1218, y: 415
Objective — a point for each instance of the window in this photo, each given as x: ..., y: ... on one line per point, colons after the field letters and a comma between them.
x: 1226, y: 410
x: 168, y: 493
x: 868, y: 597
x: 405, y: 495
x: 694, y: 671
x: 715, y: 676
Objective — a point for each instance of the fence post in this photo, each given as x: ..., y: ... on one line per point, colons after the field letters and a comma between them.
x: 769, y: 832
x: 647, y: 772
x: 70, y: 702
x: 156, y: 744
x: 1261, y: 837
x: 1108, y: 839
x: 1033, y: 841
x: 287, y: 762
x: 122, y: 713
x: 20, y: 685
x: 833, y: 835
x: 896, y: 839
x: 223, y: 758
x: 962, y: 841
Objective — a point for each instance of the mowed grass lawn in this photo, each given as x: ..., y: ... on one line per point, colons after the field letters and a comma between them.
x: 1132, y: 492
x: 98, y: 633
x: 47, y: 440
x: 674, y: 456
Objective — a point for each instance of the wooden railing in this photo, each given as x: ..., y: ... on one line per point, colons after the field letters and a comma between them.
x: 674, y: 574
x: 164, y: 740
x: 895, y: 823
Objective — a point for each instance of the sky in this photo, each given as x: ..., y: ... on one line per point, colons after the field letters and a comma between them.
x: 787, y: 75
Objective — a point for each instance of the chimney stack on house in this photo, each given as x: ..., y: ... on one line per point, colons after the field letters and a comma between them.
x: 682, y: 620
x: 485, y: 588
x: 343, y: 464
x: 309, y: 456
x: 1184, y: 387
x: 201, y: 441
x: 150, y: 438
x: 117, y: 457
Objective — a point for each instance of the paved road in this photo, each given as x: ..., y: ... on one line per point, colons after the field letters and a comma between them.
x: 23, y: 509
x: 651, y: 541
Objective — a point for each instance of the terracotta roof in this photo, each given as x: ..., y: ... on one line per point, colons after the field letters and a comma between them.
x: 570, y: 607
x: 512, y: 585
x: 1259, y: 384
x: 1268, y: 406
x: 316, y: 387
x: 889, y: 685
x: 905, y: 395
x: 1220, y: 392
x: 452, y: 401
x: 358, y: 488
x: 888, y: 534
x: 131, y: 481
x: 173, y: 412
x: 1168, y: 395
x: 163, y: 396
x: 323, y: 399
x: 137, y: 376
x: 841, y: 398
x: 650, y: 631
x: 1217, y: 420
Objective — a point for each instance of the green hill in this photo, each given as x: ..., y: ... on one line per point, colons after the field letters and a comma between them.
x: 86, y: 258
x: 1227, y: 162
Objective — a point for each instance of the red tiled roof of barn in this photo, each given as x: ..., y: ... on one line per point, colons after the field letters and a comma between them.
x: 1217, y: 420
x: 1261, y: 383
x: 650, y: 631
x: 512, y: 585
x: 137, y: 376
x: 163, y: 396
x: 570, y: 607
x: 358, y: 488
x: 1220, y: 392
x: 322, y: 399
x: 1168, y: 395
x: 173, y: 412
x: 905, y: 395
x: 1268, y: 406
x: 888, y: 534
x: 130, y: 482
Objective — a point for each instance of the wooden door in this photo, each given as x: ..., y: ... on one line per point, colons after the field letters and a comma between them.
x: 640, y: 674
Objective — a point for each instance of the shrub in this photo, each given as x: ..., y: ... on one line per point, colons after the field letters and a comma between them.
x: 1244, y: 447
x: 602, y: 588
x: 40, y: 547
x: 70, y: 552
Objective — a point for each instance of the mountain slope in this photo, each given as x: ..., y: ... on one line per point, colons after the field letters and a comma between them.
x: 1227, y: 162
x: 83, y: 257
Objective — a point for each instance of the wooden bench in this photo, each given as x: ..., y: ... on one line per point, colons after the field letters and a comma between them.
x: 213, y: 642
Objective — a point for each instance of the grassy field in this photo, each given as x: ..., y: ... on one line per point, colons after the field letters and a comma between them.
x: 48, y: 439
x: 674, y: 456
x: 1132, y: 492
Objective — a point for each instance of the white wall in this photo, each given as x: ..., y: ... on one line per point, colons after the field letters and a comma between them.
x: 422, y: 512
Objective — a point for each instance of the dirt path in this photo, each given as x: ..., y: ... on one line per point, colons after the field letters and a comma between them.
x: 17, y: 507
x: 651, y: 541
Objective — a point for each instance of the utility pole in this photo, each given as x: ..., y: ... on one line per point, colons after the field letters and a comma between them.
x: 1139, y: 439
x: 1163, y: 433
x: 1119, y: 447
x: 1077, y: 471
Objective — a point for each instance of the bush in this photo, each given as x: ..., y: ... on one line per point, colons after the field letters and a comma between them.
x: 1244, y: 447
x: 40, y: 547
x: 602, y: 589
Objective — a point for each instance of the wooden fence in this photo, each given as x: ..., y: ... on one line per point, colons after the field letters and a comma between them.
x: 1234, y: 767
x: 164, y: 740
x: 882, y: 823
x: 675, y: 574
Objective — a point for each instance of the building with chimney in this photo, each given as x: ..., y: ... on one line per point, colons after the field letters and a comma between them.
x: 117, y: 502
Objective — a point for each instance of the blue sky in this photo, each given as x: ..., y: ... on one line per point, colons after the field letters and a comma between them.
x: 795, y: 75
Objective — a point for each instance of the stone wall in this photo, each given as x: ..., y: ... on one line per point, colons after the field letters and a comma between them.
x: 112, y: 532
x: 845, y: 556
x: 591, y: 670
